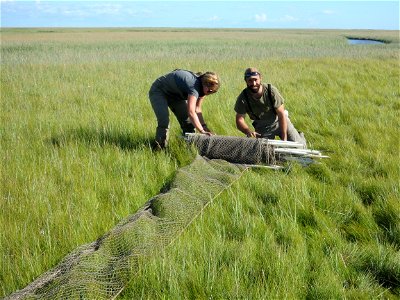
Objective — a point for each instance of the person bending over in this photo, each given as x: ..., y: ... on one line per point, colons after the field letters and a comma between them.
x: 183, y: 92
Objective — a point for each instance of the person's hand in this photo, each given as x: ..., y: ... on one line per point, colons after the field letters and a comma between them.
x: 254, y: 134
x: 205, y: 132
x: 206, y: 129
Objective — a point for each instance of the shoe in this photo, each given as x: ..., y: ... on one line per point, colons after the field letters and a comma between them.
x: 158, y: 146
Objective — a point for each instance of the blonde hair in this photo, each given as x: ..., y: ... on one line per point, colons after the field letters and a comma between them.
x: 211, y: 79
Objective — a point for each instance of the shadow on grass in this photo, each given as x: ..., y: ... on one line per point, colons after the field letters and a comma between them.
x: 101, y: 137
x: 382, y: 264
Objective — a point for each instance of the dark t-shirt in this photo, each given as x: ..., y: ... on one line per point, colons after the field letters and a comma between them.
x: 179, y: 84
x: 259, y: 109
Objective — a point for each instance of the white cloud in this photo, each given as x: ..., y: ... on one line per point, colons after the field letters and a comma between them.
x: 261, y: 18
x: 75, y: 13
x: 288, y: 18
x: 106, y: 9
x: 214, y: 18
x: 328, y: 12
x: 89, y: 9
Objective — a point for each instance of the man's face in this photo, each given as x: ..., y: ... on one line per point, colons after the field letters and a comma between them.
x: 253, y: 83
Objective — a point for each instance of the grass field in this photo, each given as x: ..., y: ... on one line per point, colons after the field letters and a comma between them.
x: 76, y: 128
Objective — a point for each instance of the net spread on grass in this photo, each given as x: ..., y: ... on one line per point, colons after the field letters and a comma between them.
x: 100, y: 270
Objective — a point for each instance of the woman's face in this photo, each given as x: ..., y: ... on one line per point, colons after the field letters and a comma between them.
x: 207, y: 90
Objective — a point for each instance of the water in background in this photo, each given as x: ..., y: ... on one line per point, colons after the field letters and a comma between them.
x: 363, y: 42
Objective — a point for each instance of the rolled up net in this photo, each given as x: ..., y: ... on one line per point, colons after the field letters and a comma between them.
x: 251, y: 151
x: 233, y: 149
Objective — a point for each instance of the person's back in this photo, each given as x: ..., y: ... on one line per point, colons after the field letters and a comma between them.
x: 178, y: 84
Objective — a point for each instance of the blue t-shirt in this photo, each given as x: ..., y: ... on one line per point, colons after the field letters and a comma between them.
x: 179, y: 84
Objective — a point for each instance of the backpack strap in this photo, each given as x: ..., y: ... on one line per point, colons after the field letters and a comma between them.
x: 270, y: 94
x: 270, y: 97
x: 251, y: 110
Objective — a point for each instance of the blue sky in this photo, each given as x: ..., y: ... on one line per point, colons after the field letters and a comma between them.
x: 207, y: 14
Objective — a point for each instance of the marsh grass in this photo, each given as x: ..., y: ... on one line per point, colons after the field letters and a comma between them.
x: 76, y: 133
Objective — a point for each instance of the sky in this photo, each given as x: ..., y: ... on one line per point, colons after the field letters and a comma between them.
x: 202, y: 14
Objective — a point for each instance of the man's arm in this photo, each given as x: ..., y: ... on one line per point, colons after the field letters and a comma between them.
x: 242, y: 126
x: 280, y: 111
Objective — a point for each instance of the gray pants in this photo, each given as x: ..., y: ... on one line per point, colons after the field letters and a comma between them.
x: 272, y: 131
x: 160, y: 103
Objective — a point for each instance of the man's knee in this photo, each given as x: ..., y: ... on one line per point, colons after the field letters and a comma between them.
x: 298, y: 137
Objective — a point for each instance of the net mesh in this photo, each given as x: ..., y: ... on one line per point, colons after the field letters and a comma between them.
x: 101, y: 269
x: 233, y: 149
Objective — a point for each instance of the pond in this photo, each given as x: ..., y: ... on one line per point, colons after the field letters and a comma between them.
x: 363, y: 42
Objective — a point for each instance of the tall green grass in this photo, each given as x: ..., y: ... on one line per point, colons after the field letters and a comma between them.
x: 76, y: 129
